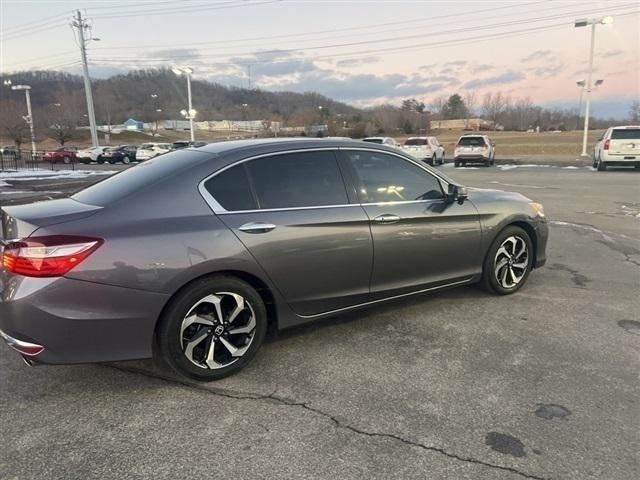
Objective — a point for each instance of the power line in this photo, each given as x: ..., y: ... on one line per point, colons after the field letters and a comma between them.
x: 31, y: 24
x: 368, y: 42
x: 335, y: 30
x: 180, y: 10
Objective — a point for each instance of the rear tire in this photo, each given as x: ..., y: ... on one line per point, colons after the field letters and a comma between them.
x: 433, y: 160
x: 507, y: 266
x: 602, y: 167
x: 456, y: 163
x: 126, y: 160
x: 100, y: 160
x: 188, y: 349
x: 66, y: 160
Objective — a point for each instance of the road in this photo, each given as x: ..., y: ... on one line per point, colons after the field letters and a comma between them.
x: 456, y: 385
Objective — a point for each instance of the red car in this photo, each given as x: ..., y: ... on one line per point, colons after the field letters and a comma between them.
x: 63, y: 154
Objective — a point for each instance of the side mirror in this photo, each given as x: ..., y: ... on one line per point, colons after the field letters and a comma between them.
x: 456, y: 193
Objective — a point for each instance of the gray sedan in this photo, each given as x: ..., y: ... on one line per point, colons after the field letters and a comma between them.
x: 193, y: 255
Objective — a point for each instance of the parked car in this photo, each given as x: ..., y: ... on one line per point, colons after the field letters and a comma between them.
x: 197, y: 251
x: 123, y: 153
x: 381, y: 141
x: 91, y: 154
x: 474, y: 148
x: 62, y: 154
x: 185, y: 144
x: 427, y: 149
x: 619, y: 146
x: 147, y: 151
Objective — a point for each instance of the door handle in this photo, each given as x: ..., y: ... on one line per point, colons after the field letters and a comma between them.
x: 257, y: 227
x: 386, y: 218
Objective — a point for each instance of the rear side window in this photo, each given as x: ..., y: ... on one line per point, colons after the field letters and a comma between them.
x: 626, y: 134
x: 231, y: 189
x: 372, y: 140
x: 131, y: 180
x: 304, y: 179
x: 471, y: 142
x: 416, y: 141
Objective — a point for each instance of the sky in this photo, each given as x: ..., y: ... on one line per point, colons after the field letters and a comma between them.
x: 361, y: 52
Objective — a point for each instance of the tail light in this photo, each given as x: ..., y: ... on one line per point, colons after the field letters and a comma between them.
x: 50, y: 256
x: 606, y: 144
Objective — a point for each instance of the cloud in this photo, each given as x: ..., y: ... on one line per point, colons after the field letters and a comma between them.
x: 612, y: 53
x: 548, y: 70
x: 482, y: 67
x: 355, y: 62
x: 456, y: 63
x: 177, y: 54
x: 538, y: 54
x: 507, y: 77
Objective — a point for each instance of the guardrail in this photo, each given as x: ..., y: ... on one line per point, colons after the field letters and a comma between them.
x: 14, y: 160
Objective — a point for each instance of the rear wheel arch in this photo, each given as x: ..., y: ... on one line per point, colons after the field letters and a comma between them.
x: 258, y: 284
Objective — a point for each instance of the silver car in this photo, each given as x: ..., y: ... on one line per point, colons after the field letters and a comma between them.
x: 194, y: 255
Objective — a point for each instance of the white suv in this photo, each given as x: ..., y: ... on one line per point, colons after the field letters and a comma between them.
x: 381, y: 141
x: 91, y: 154
x: 427, y: 149
x: 150, y: 150
x: 619, y: 146
x: 474, y: 148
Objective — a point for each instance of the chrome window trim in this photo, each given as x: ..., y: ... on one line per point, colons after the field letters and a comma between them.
x: 220, y: 210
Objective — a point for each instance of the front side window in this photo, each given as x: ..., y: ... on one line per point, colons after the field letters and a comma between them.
x: 303, y: 179
x: 386, y: 178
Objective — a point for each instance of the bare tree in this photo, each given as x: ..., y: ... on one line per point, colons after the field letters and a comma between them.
x: 60, y: 123
x: 493, y: 105
x: 634, y: 112
x: 523, y: 108
x: 437, y: 105
x: 470, y: 103
x: 12, y: 123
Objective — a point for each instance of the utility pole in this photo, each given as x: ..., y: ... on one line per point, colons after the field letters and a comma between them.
x: 81, y: 25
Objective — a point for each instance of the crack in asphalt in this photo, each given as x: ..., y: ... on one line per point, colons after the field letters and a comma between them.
x: 291, y: 403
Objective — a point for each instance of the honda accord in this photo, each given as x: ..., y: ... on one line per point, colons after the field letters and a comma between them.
x: 193, y: 255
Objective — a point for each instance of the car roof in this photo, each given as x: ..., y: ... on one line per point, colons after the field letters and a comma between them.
x: 278, y: 144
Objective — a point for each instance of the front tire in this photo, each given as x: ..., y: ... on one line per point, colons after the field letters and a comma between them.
x: 126, y: 160
x: 213, y: 328
x: 508, y: 262
x: 66, y: 160
x: 456, y: 163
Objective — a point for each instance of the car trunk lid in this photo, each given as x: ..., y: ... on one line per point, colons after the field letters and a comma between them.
x: 20, y: 221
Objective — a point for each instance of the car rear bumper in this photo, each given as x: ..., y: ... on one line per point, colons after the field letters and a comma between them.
x: 77, y: 321
x: 621, y: 159
x: 466, y: 157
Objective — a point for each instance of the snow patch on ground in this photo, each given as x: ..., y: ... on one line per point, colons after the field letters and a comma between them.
x: 510, y: 166
x: 38, y: 174
x: 570, y: 168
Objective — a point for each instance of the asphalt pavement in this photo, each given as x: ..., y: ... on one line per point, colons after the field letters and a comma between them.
x: 460, y: 384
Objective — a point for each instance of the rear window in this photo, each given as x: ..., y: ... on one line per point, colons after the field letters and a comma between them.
x: 416, y: 141
x: 626, y: 134
x: 128, y: 181
x: 373, y: 140
x: 471, y: 142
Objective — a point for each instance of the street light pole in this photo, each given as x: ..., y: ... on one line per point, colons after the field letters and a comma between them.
x: 189, y: 114
x: 29, y: 117
x: 593, y: 23
x: 190, y: 106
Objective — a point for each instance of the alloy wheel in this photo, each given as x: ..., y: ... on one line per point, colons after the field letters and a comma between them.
x: 218, y: 330
x: 511, y: 262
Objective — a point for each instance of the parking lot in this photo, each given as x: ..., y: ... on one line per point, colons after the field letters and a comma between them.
x: 460, y: 384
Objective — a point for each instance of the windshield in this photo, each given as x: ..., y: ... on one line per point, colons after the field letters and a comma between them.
x: 373, y: 140
x: 626, y: 134
x: 416, y: 141
x: 471, y: 142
